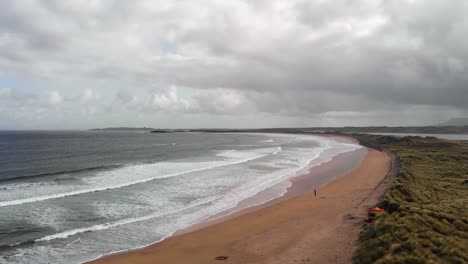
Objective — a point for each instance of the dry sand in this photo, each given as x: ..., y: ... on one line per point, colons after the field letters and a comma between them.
x: 303, y: 229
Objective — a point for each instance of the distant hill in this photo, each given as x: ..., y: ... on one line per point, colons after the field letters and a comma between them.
x: 123, y: 129
x: 416, y: 130
x: 373, y: 129
x: 456, y: 122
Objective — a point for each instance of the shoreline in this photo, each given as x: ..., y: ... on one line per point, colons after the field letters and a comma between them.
x: 298, y: 190
x: 306, y: 180
x: 326, y: 171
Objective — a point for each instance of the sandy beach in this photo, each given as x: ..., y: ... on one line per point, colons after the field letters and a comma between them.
x: 301, y: 229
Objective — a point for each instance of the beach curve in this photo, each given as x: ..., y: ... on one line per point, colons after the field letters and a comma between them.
x: 307, y: 229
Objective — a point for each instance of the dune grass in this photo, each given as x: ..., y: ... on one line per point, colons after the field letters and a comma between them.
x: 427, y: 206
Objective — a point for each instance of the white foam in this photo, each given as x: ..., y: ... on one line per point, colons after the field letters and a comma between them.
x: 121, y: 222
x: 249, y: 180
x: 130, y: 170
x: 218, y: 205
x: 278, y: 150
x: 238, y: 154
x: 73, y: 242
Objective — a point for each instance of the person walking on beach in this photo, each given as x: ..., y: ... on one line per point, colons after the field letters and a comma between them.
x: 315, y: 192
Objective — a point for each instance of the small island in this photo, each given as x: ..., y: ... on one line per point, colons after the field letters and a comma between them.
x: 125, y: 129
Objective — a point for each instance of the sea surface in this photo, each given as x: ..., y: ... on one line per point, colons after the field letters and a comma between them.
x: 72, y: 196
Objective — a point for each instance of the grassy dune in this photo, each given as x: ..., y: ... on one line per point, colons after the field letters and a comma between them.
x: 427, y: 205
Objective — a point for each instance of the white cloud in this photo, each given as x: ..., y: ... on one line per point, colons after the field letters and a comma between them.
x: 5, y: 92
x: 89, y: 95
x: 54, y: 98
x: 223, y: 101
x: 189, y: 101
x: 284, y: 58
x: 170, y: 101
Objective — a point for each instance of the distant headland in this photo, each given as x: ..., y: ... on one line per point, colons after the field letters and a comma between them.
x: 123, y: 129
x: 367, y: 129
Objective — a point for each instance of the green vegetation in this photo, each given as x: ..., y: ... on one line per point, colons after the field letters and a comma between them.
x: 427, y: 205
x: 416, y: 130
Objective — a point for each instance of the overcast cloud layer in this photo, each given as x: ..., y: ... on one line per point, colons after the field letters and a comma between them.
x: 257, y: 63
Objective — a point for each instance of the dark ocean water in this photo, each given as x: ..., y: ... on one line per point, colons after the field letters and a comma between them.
x: 71, y: 196
x: 30, y: 153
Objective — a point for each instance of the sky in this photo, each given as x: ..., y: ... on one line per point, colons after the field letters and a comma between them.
x: 81, y: 64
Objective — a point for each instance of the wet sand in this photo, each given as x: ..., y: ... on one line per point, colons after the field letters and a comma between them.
x: 299, y: 228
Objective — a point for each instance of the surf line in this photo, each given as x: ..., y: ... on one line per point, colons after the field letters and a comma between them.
x: 117, y: 186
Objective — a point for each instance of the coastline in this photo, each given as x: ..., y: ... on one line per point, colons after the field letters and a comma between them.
x: 306, y: 180
x: 277, y: 215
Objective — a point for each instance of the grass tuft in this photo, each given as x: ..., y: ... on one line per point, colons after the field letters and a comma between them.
x: 426, y: 218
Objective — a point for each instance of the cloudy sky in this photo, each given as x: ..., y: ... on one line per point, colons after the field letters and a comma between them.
x: 80, y: 64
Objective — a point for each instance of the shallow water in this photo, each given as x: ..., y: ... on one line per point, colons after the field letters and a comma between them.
x: 68, y: 197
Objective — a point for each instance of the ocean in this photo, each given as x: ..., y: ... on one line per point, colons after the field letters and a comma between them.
x: 72, y: 196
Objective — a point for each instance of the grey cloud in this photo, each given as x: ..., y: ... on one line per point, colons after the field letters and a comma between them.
x: 318, y: 13
x: 124, y: 97
x: 290, y: 58
x: 388, y: 65
x: 33, y: 29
